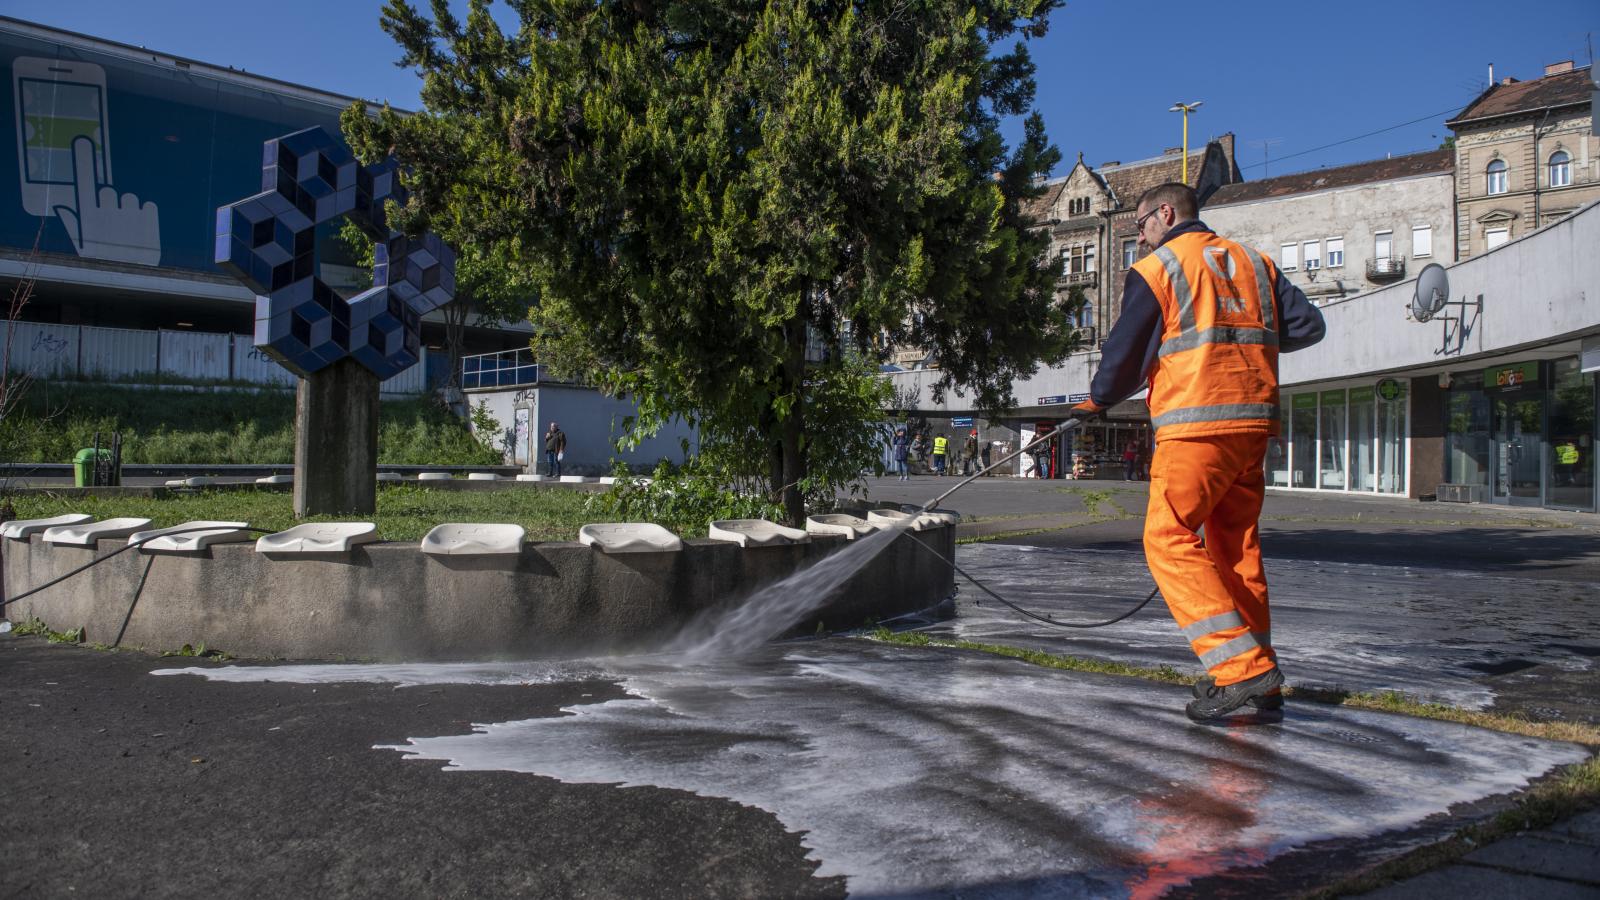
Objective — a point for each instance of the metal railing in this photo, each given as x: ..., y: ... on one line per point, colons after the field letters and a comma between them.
x: 1088, y: 279
x: 1386, y: 269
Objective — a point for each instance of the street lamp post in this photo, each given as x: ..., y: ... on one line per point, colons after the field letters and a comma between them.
x: 1186, y: 108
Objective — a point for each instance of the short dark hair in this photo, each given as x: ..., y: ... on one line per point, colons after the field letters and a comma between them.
x: 1178, y: 196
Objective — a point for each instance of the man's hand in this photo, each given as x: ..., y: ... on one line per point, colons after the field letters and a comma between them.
x: 1088, y: 411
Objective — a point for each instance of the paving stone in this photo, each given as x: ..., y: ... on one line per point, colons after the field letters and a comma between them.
x: 1585, y: 828
x: 1539, y: 855
x: 1458, y: 882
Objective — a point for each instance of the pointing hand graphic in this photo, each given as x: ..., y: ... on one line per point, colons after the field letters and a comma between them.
x: 105, y: 226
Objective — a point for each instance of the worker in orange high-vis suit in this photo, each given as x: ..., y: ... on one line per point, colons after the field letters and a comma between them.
x: 1203, y: 320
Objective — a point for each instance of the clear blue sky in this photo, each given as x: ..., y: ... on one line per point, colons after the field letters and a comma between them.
x: 1302, y: 75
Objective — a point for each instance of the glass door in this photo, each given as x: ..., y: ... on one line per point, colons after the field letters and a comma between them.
x: 1518, y: 438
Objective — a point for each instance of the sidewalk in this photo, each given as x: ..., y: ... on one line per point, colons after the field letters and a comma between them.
x: 1554, y: 864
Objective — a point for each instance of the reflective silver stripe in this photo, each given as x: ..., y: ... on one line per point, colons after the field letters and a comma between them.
x: 1223, y: 412
x: 1221, y: 334
x: 1269, y: 314
x: 1180, y: 287
x: 1218, y: 655
x: 1219, y: 622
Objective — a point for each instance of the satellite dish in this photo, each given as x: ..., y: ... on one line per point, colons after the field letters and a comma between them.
x: 1433, y: 289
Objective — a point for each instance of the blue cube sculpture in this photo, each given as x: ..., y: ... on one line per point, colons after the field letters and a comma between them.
x: 268, y: 242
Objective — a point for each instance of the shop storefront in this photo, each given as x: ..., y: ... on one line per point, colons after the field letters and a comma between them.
x: 1344, y: 438
x: 1523, y: 433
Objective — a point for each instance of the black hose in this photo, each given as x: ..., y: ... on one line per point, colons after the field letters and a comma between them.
x: 1033, y: 615
x: 120, y: 550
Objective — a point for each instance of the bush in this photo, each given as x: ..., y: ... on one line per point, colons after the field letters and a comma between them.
x: 684, y: 502
x: 214, y: 427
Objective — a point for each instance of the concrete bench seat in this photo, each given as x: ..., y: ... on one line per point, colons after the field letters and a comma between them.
x: 90, y: 533
x: 756, y: 533
x: 608, y: 479
x: 179, y: 539
x: 318, y: 537
x: 850, y: 526
x: 276, y: 479
x: 629, y: 537
x: 433, y: 476
x: 573, y: 479
x: 482, y: 476
x: 468, y: 539
x: 22, y: 529
x: 391, y: 476
x: 530, y: 478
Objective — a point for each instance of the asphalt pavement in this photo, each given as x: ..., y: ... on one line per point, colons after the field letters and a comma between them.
x: 842, y: 765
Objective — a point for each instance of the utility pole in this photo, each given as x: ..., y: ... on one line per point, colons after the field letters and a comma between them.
x: 1186, y: 108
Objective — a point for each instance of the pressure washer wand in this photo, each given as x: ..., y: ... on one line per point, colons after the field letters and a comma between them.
x: 1070, y: 423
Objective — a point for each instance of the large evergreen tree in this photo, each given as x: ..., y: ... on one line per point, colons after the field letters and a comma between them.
x: 698, y: 187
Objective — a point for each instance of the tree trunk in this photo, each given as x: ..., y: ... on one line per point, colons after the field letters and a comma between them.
x: 793, y: 427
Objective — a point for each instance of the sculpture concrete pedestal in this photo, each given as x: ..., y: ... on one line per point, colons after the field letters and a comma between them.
x: 336, y: 441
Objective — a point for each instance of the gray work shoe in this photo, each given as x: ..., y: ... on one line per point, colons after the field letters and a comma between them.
x: 1273, y: 700
x: 1219, y: 701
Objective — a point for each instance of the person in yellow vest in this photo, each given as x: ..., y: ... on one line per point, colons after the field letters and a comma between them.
x: 1566, y: 462
x: 1204, y: 319
x: 940, y: 445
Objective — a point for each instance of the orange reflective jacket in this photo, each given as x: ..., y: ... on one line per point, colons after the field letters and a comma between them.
x: 1217, y: 369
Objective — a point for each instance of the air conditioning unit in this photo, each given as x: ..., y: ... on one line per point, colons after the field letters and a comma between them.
x: 1460, y: 493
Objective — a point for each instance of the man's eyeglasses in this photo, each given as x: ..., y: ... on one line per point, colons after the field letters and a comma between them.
x: 1138, y: 224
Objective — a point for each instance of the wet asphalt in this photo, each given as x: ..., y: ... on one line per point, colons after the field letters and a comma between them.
x: 119, y: 783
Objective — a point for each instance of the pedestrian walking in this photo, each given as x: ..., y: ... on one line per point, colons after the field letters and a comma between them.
x: 940, y: 445
x: 987, y: 449
x: 1204, y: 319
x: 555, y: 449
x: 969, y: 452
x: 1130, y: 461
x: 919, y: 449
x: 902, y: 450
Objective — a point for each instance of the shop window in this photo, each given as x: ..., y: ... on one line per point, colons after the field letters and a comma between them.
x: 1572, y: 437
x: 1363, y: 439
x: 1331, y: 459
x: 1391, y: 436
x: 1303, y: 441
x: 1466, y: 432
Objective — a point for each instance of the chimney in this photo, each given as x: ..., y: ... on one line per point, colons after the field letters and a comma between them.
x: 1172, y: 151
x: 1491, y: 74
x: 1558, y: 68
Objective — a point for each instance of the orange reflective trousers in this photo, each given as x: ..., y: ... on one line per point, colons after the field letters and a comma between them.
x: 1215, y: 586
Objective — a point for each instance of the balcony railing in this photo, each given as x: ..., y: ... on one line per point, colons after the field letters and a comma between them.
x: 506, y: 369
x: 1075, y: 279
x: 1386, y: 269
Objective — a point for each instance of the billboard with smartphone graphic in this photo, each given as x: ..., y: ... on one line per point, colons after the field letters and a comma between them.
x: 124, y: 161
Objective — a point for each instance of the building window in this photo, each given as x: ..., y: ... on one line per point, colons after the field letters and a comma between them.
x: 1335, y: 252
x: 1066, y: 260
x: 1130, y: 252
x: 1383, y: 246
x: 1088, y: 258
x: 1560, y: 169
x: 1495, y: 177
x: 1313, y: 255
x: 1422, y: 240
x: 1289, y: 257
x: 1494, y: 237
x: 1077, y: 260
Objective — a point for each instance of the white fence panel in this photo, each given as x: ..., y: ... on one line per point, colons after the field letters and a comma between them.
x: 42, y: 350
x: 255, y: 366
x: 412, y: 381
x: 117, y: 352
x: 190, y: 354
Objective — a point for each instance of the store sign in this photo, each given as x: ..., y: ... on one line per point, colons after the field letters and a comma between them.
x: 1305, y: 401
x: 1077, y: 398
x: 1511, y: 377
x: 961, y: 422
x: 1333, y: 398
x: 1053, y: 400
x: 1391, y: 390
x: 1361, y: 395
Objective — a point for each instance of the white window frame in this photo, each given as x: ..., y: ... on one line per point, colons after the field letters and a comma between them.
x: 1289, y: 257
x: 1379, y: 238
x: 1563, y: 169
x: 1423, y: 230
x: 1130, y: 252
x: 1488, y: 237
x: 1330, y: 249
x: 1311, y: 255
x: 1088, y: 258
x: 1496, y: 180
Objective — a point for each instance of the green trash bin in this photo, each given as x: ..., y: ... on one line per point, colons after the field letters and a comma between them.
x: 83, y: 466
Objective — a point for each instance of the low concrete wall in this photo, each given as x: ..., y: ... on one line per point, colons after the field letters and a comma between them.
x: 389, y: 601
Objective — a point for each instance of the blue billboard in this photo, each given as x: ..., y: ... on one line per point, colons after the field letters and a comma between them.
x: 126, y: 161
